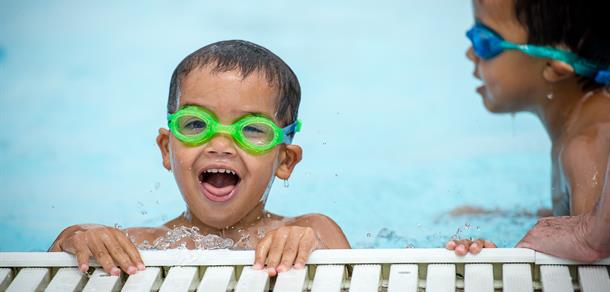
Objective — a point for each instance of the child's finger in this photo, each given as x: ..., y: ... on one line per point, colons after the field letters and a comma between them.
x: 476, y: 246
x: 290, y: 251
x: 489, y: 244
x: 462, y: 247
x: 118, y: 254
x: 102, y: 256
x: 262, y: 248
x: 451, y: 245
x: 82, y: 257
x: 306, y: 247
x: 130, y: 249
x: 275, y: 252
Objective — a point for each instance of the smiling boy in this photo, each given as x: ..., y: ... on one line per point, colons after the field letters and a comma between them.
x: 232, y: 114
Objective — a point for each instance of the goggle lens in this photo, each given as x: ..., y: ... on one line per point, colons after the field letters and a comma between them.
x: 190, y: 125
x: 257, y: 133
x: 485, y: 43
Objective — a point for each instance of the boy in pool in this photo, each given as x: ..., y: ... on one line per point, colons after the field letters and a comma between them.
x: 232, y: 114
x: 562, y: 77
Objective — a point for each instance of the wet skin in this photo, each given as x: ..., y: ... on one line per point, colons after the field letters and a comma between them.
x: 578, y: 125
x: 238, y: 214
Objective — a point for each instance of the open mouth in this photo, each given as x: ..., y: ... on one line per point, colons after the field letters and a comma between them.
x: 219, y: 184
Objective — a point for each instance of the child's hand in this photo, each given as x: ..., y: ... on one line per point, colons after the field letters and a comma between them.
x: 285, y: 247
x: 110, y: 247
x: 463, y: 246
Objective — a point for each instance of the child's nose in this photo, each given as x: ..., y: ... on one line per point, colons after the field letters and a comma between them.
x: 220, y: 145
x: 471, y: 55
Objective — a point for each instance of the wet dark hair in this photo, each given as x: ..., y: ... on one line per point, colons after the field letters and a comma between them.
x: 245, y: 57
x: 581, y: 25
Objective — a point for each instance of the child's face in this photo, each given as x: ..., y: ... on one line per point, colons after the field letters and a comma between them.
x: 512, y: 81
x: 215, y: 198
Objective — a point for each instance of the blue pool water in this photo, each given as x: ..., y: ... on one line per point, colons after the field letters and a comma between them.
x: 394, y: 135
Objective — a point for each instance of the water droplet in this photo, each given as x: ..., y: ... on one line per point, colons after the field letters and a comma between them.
x: 286, y: 183
x: 143, y: 212
x: 260, y: 233
x: 323, y: 143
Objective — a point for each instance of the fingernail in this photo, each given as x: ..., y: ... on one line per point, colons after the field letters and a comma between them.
x: 271, y: 270
x: 461, y: 248
x: 474, y: 245
x: 299, y: 266
x: 115, y: 271
x: 84, y: 268
x: 131, y: 270
x: 141, y: 267
x: 281, y: 269
x: 257, y: 266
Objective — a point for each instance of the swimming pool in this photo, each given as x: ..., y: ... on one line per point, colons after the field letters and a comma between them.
x: 394, y: 135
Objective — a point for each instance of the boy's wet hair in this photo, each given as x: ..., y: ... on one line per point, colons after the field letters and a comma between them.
x: 581, y: 25
x: 245, y: 57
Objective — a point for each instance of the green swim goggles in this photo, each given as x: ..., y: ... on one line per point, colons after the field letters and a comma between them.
x: 194, y: 125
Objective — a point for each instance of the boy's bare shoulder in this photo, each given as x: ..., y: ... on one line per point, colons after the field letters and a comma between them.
x: 591, y: 141
x: 327, y: 229
x: 587, y: 150
x: 315, y: 220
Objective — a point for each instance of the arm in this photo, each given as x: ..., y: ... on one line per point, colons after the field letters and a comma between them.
x: 584, y: 237
x: 583, y: 165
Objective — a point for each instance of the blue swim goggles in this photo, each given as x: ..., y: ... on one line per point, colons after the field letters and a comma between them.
x: 487, y: 44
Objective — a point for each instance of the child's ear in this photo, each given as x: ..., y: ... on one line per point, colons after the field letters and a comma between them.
x: 290, y: 155
x: 556, y: 71
x: 163, y: 143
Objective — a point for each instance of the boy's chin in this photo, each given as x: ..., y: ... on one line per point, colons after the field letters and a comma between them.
x: 496, y: 107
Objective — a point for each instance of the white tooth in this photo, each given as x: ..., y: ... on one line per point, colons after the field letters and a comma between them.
x: 222, y: 170
x: 232, y: 172
x: 213, y: 170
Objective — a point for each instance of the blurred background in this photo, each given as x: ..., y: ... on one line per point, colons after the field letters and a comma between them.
x: 394, y: 135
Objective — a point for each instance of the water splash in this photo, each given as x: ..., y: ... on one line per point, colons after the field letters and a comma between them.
x: 183, y: 237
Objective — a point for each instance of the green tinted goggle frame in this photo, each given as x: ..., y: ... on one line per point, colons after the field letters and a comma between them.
x: 195, y: 125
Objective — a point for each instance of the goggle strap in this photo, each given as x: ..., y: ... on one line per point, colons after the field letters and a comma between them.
x: 289, y: 130
x: 603, y: 76
x: 581, y: 66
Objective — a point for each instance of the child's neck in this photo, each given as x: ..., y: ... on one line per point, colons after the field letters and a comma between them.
x: 558, y: 112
